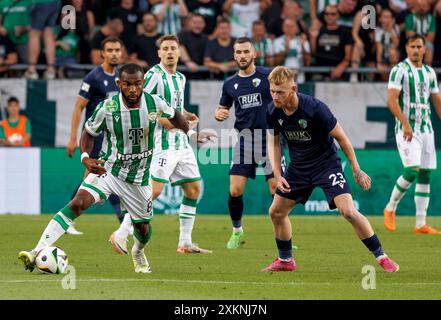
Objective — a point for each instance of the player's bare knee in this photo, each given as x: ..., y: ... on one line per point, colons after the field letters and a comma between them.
x: 276, y: 214
x: 236, y: 192
x: 192, y: 191
x: 349, y: 213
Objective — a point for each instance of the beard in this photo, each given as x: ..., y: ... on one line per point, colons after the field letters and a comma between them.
x: 245, y: 66
x: 130, y: 101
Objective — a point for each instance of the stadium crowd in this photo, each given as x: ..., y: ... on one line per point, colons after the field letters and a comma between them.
x: 322, y: 33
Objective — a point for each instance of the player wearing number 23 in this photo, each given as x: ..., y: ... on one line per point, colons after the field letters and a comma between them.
x: 310, y: 128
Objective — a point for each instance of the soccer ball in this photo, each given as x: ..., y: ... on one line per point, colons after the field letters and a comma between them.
x: 51, y: 260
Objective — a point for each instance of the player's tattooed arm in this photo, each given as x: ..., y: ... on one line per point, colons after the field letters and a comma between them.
x: 179, y: 122
x: 362, y: 179
x: 86, y: 145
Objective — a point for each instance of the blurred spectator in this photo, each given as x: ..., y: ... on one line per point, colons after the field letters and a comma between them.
x: 387, y: 38
x: 169, y: 14
x: 113, y: 28
x: 8, y: 55
x: 348, y: 10
x: 209, y: 9
x: 84, y: 28
x: 292, y: 50
x: 16, y: 23
x: 219, y: 54
x: 243, y: 13
x: 422, y: 21
x: 193, y: 43
x: 144, y: 51
x: 66, y: 47
x: 100, y: 8
x: 437, y: 49
x: 363, y: 53
x: 332, y: 46
x: 15, y: 131
x: 263, y: 44
x: 130, y: 18
x: 290, y: 10
x: 400, y: 19
x: 44, y: 14
x: 316, y: 8
x: 273, y: 12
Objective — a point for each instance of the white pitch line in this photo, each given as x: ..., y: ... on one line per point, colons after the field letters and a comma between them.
x: 216, y: 282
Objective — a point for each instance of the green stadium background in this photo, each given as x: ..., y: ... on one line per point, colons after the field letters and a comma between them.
x: 361, y: 108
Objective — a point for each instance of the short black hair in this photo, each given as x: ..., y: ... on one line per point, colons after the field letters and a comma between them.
x: 131, y: 68
x: 414, y: 37
x: 148, y: 13
x: 13, y: 99
x: 243, y: 40
x: 111, y: 39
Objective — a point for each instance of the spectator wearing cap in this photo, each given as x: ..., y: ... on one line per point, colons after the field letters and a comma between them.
x: 15, y: 131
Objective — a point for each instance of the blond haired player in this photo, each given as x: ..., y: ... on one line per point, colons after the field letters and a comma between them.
x: 310, y: 128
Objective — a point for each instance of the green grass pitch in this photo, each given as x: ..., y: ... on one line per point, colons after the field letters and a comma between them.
x: 329, y: 259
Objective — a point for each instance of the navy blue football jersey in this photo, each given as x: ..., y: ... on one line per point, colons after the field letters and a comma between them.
x: 250, y: 95
x: 98, y: 86
x: 306, y: 132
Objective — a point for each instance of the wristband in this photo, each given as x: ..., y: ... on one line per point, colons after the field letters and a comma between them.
x: 84, y: 155
x: 190, y: 133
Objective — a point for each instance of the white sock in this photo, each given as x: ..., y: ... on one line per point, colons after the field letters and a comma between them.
x: 237, y: 229
x: 398, y: 192
x: 125, y: 227
x: 422, y: 198
x: 137, y: 244
x: 187, y: 214
x: 54, y: 230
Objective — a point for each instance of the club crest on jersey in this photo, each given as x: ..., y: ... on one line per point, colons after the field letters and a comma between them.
x: 303, y: 123
x: 256, y: 82
x: 235, y: 86
x: 116, y: 118
x: 153, y: 116
x: 111, y: 106
x: 280, y: 121
x: 105, y: 83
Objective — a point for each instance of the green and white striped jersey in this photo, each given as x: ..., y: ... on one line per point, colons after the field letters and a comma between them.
x: 265, y: 48
x: 129, y: 135
x: 171, y: 23
x: 171, y: 88
x: 416, y: 86
x: 421, y: 24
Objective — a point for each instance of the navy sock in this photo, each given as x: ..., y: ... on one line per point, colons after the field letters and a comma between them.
x: 115, y: 202
x: 285, y: 248
x: 235, y: 205
x: 374, y: 245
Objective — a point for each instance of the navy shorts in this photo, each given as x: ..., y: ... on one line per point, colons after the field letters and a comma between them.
x: 45, y: 15
x: 330, y: 178
x: 247, y: 154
